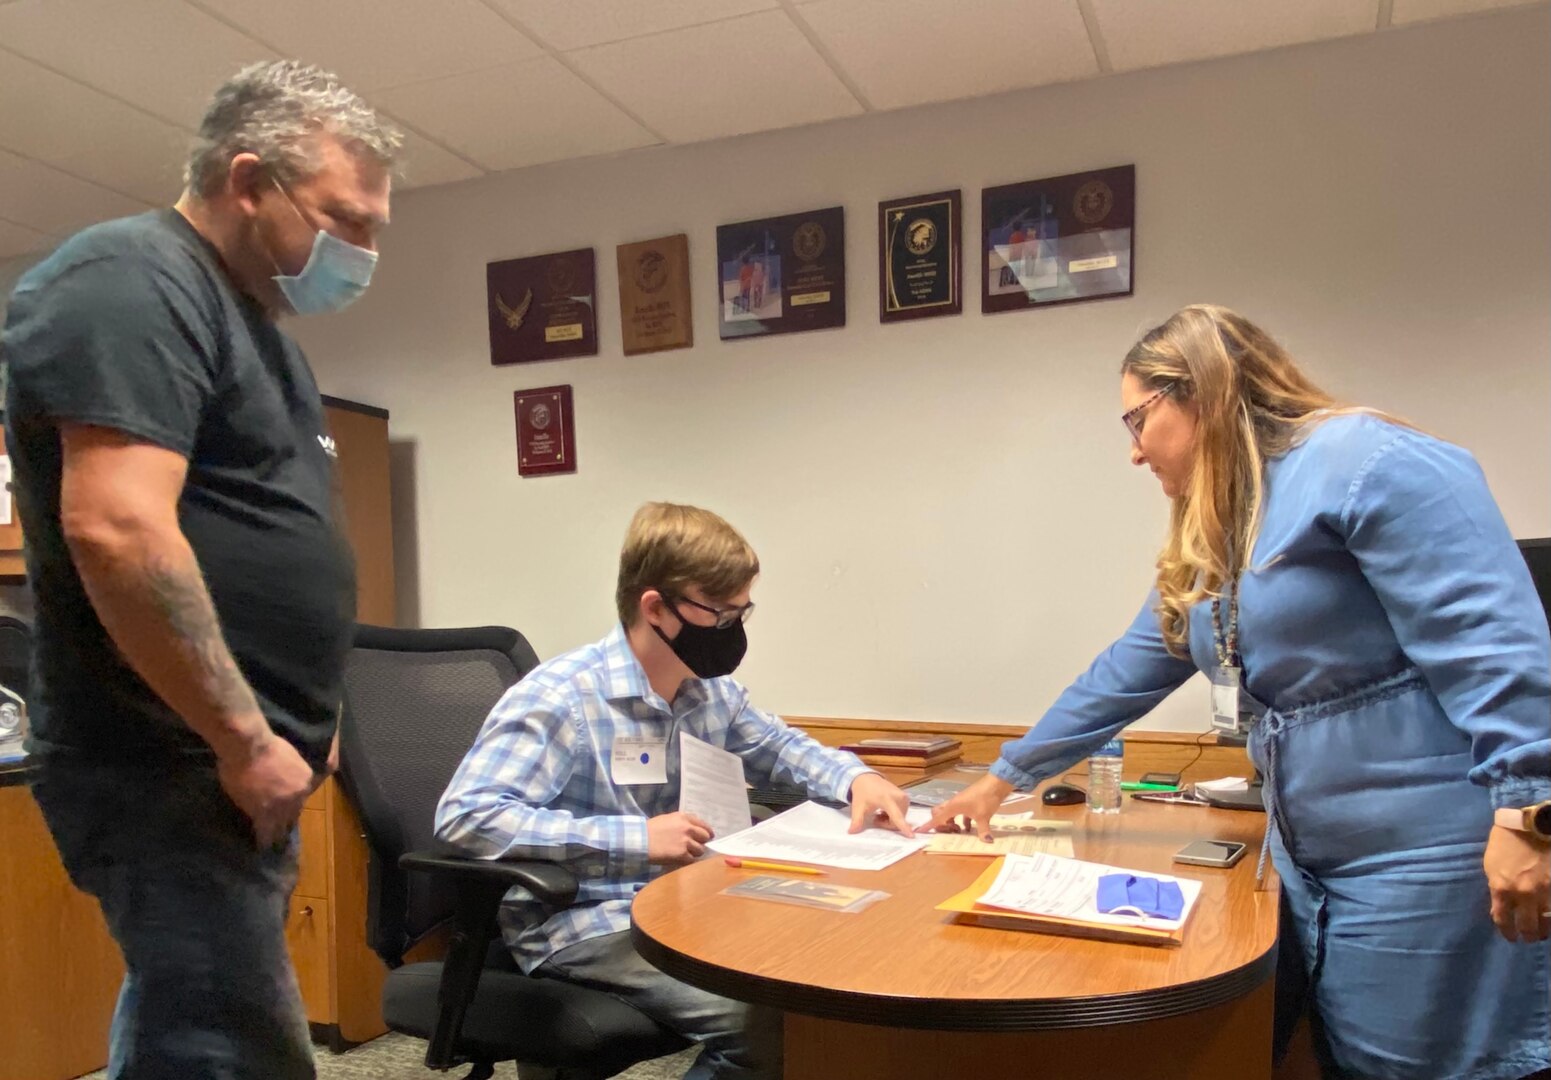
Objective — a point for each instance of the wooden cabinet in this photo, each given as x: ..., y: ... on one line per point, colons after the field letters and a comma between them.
x: 341, y: 978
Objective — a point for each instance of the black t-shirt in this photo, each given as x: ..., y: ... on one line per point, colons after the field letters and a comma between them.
x: 134, y: 325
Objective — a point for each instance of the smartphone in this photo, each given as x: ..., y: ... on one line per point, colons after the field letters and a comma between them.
x: 1210, y: 853
x: 1168, y: 779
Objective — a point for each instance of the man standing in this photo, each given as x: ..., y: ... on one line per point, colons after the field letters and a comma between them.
x: 194, y: 594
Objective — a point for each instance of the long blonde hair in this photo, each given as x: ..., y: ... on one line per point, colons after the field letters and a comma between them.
x: 1252, y: 402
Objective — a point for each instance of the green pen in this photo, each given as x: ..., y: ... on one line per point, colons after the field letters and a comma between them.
x: 1132, y: 785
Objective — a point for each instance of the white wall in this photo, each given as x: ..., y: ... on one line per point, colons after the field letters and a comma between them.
x: 945, y: 513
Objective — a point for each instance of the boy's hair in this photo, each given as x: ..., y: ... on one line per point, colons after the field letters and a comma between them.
x: 669, y: 548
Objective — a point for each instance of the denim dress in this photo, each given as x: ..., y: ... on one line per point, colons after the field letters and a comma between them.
x: 1389, y: 626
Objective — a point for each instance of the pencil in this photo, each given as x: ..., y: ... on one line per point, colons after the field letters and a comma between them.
x: 760, y: 864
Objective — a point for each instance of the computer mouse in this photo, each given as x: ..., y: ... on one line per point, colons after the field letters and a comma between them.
x: 1063, y: 795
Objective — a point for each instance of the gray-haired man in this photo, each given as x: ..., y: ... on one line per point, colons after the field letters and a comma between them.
x: 194, y: 596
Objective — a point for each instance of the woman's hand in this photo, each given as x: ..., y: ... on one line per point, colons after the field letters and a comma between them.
x: 973, y: 807
x: 1518, y: 871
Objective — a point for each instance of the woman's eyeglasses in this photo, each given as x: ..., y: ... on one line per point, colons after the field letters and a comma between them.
x: 1133, y: 419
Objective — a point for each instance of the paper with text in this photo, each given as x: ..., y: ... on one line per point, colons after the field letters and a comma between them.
x: 1068, y: 889
x: 816, y: 834
x: 711, y: 786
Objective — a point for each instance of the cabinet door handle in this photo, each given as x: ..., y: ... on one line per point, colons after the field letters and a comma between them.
x: 307, y: 911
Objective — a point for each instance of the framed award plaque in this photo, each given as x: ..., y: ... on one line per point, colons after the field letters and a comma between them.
x: 782, y: 274
x: 1058, y: 241
x: 546, y: 431
x: 920, y: 270
x: 543, y: 307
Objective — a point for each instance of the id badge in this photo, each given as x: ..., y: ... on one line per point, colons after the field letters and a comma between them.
x: 639, y: 760
x: 1225, y: 699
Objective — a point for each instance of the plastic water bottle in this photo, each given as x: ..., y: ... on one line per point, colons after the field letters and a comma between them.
x: 1104, y: 778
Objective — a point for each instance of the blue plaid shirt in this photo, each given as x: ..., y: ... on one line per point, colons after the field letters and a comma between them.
x: 536, y: 783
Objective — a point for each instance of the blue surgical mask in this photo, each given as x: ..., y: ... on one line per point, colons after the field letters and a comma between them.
x: 336, y: 274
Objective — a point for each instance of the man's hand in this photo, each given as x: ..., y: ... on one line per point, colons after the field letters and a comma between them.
x: 676, y: 839
x: 871, y: 797
x: 971, y: 809
x: 269, y: 783
x: 1518, y: 871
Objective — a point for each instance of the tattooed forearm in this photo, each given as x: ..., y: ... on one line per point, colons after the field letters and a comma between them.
x: 183, y: 599
x: 153, y: 602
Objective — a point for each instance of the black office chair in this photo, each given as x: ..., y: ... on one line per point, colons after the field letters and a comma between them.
x: 414, y: 701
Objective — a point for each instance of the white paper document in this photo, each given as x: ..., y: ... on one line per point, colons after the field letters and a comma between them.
x: 810, y: 833
x: 1068, y: 889
x: 711, y: 786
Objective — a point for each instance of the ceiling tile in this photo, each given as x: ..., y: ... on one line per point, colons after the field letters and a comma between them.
x: 125, y: 49
x: 981, y: 47
x: 423, y: 163
x: 376, y: 43
x: 43, y: 198
x: 1408, y: 11
x: 566, y: 24
x: 1171, y: 31
x: 521, y: 114
x: 81, y: 131
x: 20, y: 240
x: 756, y: 73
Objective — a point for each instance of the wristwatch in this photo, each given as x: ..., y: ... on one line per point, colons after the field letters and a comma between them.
x: 1535, y: 820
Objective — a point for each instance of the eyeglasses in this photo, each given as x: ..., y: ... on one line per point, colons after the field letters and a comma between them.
x: 1133, y: 419
x: 725, y: 617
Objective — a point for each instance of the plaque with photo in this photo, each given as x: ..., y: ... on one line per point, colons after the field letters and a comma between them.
x: 543, y: 307
x: 546, y: 431
x: 1058, y: 241
x: 782, y: 274
x: 654, y: 295
x: 920, y: 271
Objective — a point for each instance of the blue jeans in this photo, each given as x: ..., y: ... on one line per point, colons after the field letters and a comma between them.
x: 739, y: 1042
x: 198, y: 911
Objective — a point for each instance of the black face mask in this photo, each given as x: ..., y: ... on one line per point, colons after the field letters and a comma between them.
x: 708, y: 652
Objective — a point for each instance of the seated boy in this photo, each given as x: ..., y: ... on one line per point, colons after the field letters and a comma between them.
x: 539, y: 783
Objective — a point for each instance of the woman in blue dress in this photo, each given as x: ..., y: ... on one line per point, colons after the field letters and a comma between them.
x: 1354, y: 576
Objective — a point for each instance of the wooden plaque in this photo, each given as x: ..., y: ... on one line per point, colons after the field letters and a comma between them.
x: 543, y: 307
x: 654, y: 295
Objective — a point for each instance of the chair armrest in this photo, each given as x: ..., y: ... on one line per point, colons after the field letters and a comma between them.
x: 550, y: 883
x: 480, y: 884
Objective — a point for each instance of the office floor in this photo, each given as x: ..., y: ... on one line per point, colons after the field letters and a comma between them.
x: 397, y: 1057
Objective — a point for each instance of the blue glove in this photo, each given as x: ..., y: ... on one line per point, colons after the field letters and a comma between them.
x: 1128, y: 894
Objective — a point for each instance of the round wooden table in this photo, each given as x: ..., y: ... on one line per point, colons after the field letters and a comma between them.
x: 901, y: 990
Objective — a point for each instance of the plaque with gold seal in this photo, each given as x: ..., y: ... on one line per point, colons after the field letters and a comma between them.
x: 543, y: 307
x: 782, y: 274
x: 1058, y: 240
x: 920, y: 271
x: 654, y: 295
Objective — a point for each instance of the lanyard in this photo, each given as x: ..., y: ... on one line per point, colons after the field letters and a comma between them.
x: 1226, y: 639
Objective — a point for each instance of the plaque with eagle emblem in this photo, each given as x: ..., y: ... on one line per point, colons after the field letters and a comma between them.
x: 1058, y: 241
x: 542, y: 307
x: 920, y: 260
x: 654, y: 295
x: 781, y: 274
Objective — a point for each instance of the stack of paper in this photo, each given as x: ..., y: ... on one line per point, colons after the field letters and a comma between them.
x: 1056, y: 895
x: 816, y: 834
